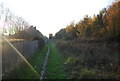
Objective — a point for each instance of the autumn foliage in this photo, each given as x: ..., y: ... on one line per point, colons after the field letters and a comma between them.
x: 105, y: 25
x: 112, y: 18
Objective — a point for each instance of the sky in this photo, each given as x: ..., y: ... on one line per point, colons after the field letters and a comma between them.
x: 49, y: 16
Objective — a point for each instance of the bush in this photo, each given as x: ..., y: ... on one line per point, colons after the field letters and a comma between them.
x: 87, y: 74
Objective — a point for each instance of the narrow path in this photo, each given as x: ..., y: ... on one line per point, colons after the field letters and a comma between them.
x: 44, y: 64
x: 55, y: 65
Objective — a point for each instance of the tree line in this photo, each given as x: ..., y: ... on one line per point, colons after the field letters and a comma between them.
x: 104, y: 25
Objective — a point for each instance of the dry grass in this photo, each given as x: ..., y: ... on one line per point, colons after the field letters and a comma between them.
x: 91, y: 59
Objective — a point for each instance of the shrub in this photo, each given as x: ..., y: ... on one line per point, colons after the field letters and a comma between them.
x: 87, y: 74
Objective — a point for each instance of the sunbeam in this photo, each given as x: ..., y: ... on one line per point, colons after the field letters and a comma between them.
x: 21, y: 56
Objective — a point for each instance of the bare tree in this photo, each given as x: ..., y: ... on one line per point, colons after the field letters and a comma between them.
x: 14, y: 23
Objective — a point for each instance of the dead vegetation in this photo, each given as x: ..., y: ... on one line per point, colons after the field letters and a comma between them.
x: 90, y: 60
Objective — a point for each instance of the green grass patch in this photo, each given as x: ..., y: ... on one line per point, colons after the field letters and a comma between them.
x: 38, y: 59
x: 55, y: 67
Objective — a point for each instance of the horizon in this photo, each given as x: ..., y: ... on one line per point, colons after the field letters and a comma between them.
x: 52, y: 16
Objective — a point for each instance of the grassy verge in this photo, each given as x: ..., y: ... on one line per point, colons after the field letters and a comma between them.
x: 23, y: 71
x: 55, y: 67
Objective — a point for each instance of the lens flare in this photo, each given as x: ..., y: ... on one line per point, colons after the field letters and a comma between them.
x: 21, y: 56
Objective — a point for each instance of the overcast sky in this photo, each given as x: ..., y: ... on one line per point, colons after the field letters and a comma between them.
x: 49, y: 16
